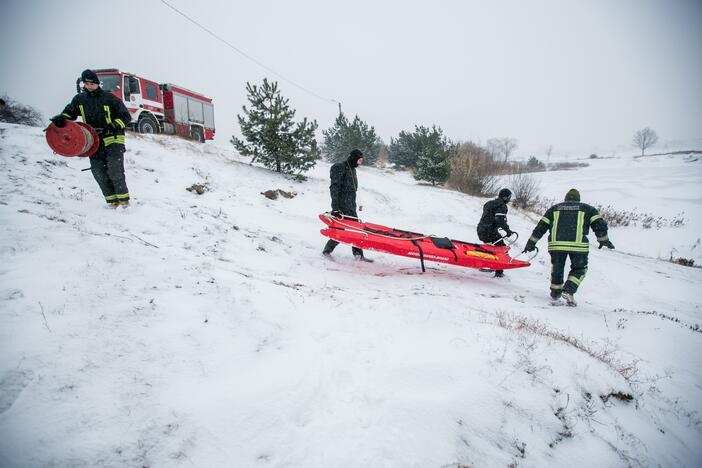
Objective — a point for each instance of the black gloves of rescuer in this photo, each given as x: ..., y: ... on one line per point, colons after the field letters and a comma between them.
x: 59, y: 120
x: 606, y: 243
x: 109, y: 129
x: 336, y: 213
x: 530, y: 246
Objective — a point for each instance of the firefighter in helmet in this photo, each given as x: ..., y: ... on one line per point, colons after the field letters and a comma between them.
x: 568, y: 224
x: 108, y: 116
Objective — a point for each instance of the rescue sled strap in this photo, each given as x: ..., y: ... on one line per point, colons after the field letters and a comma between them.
x: 421, y: 254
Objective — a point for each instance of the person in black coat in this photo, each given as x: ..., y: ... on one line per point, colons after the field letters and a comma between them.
x: 495, y: 217
x: 343, y: 188
x: 108, y: 116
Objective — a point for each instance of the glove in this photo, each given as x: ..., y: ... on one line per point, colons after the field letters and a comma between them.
x: 607, y: 244
x: 530, y: 246
x: 336, y: 213
x: 109, y: 129
x: 59, y: 120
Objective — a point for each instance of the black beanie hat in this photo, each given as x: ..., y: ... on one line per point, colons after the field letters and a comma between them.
x: 89, y: 75
x: 354, y: 157
x: 505, y: 194
x: 572, y: 195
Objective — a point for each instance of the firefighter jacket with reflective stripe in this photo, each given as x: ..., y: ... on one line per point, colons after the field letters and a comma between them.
x: 567, y: 224
x: 99, y: 109
x: 494, y: 216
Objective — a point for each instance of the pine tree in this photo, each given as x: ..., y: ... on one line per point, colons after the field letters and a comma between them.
x: 433, y: 151
x: 403, y: 151
x: 270, y: 135
x: 345, y: 136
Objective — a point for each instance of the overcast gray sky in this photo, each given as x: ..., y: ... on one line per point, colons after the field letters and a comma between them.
x: 579, y: 75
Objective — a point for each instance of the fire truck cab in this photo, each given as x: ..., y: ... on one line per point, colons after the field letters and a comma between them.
x: 161, y: 108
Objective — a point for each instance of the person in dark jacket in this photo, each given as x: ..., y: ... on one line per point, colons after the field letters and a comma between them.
x: 495, y: 217
x: 343, y: 188
x: 108, y: 116
x: 568, y: 224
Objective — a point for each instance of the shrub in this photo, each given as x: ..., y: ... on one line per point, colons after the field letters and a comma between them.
x: 473, y: 170
x: 534, y: 165
x: 17, y: 113
x: 525, y: 190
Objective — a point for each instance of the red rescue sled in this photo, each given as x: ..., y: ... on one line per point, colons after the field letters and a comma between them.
x: 353, y: 231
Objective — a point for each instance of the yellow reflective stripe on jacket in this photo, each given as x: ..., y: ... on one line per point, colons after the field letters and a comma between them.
x: 568, y: 247
x: 120, y: 123
x: 554, y: 228
x: 113, y: 139
x: 68, y: 116
x: 595, y: 218
x: 82, y: 113
x: 108, y: 117
x: 579, y: 227
x: 545, y: 220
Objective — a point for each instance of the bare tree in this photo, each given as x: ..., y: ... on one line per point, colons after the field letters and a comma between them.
x: 645, y: 138
x: 501, y: 147
x: 14, y: 112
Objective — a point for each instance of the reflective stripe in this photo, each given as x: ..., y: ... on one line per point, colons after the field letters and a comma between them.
x: 113, y: 139
x: 119, y: 122
x: 545, y: 220
x: 534, y: 239
x: 603, y: 238
x: 122, y: 196
x: 66, y: 115
x: 554, y: 228
x: 109, y: 198
x: 562, y: 248
x: 568, y: 243
x: 575, y: 280
x: 595, y: 218
x: 556, y: 286
x: 82, y: 113
x: 108, y: 117
x: 579, y: 227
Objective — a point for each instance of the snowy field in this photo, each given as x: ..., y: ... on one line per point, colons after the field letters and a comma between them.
x: 208, y: 331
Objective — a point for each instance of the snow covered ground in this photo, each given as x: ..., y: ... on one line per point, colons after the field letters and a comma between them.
x: 207, y: 330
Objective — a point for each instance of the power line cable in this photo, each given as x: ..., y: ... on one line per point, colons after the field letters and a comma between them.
x: 233, y: 47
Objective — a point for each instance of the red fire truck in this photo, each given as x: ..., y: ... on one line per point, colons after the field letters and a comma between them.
x: 160, y: 108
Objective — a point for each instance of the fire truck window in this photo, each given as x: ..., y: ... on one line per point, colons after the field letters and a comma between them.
x: 125, y: 88
x: 180, y: 106
x: 109, y: 82
x: 209, y: 116
x: 151, y: 92
x: 195, y: 111
x: 134, y: 85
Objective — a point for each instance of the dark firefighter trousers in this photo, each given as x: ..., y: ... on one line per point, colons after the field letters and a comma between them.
x: 491, y: 236
x: 578, y: 268
x: 331, y: 243
x: 107, y: 166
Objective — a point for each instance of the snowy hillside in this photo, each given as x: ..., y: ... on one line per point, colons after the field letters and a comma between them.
x: 207, y: 330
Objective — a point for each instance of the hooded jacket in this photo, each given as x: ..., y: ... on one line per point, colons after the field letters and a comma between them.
x: 344, y: 185
x: 494, y: 216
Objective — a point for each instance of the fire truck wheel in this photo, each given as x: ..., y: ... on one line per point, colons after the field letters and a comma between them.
x: 147, y: 124
x: 197, y: 135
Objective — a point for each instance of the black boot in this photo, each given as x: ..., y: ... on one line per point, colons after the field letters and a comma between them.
x: 499, y: 274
